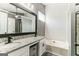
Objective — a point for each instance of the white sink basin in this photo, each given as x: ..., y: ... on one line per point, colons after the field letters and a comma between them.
x: 18, y: 43
x: 9, y: 46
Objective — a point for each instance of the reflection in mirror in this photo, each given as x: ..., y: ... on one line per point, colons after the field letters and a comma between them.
x: 7, y: 7
x: 15, y: 20
x: 3, y: 22
x: 18, y: 24
x: 26, y: 24
x: 26, y: 21
x: 11, y: 23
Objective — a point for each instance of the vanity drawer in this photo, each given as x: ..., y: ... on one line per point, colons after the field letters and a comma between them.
x: 20, y: 52
x: 42, y: 47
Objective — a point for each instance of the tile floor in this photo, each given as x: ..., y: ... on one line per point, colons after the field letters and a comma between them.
x: 48, y: 54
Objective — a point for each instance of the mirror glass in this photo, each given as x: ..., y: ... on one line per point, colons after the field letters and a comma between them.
x: 3, y: 22
x: 25, y: 22
x: 6, y: 12
x: 11, y: 23
x: 15, y: 20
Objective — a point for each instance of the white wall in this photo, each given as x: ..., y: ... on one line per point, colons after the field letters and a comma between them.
x: 58, y: 22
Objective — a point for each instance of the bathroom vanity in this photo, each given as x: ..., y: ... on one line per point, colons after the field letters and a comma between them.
x: 33, y: 46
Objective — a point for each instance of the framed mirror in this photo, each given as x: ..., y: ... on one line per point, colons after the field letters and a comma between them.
x: 16, y: 21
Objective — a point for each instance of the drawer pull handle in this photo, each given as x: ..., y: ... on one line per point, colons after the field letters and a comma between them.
x: 33, y: 48
x: 43, y: 44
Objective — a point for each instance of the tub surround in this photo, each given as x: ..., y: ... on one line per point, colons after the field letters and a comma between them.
x: 57, y: 47
x: 58, y: 44
x: 17, y: 44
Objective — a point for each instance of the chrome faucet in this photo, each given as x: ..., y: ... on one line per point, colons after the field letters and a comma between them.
x: 9, y: 40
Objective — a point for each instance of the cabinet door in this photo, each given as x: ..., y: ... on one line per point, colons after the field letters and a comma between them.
x: 20, y: 52
x: 42, y: 47
x: 34, y: 50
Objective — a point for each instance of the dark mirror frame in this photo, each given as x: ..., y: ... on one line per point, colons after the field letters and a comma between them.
x: 25, y: 33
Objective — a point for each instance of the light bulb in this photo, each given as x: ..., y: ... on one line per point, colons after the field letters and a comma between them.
x: 16, y: 16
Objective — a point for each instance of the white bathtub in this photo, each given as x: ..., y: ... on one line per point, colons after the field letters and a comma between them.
x: 57, y: 47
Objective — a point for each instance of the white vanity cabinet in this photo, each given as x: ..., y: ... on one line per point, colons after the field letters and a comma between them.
x: 42, y: 47
x: 34, y: 49
x: 20, y: 52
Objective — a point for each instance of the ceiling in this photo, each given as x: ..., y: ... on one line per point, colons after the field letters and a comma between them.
x: 46, y: 4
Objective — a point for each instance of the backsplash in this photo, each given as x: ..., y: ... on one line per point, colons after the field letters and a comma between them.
x: 16, y: 37
x: 3, y: 40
